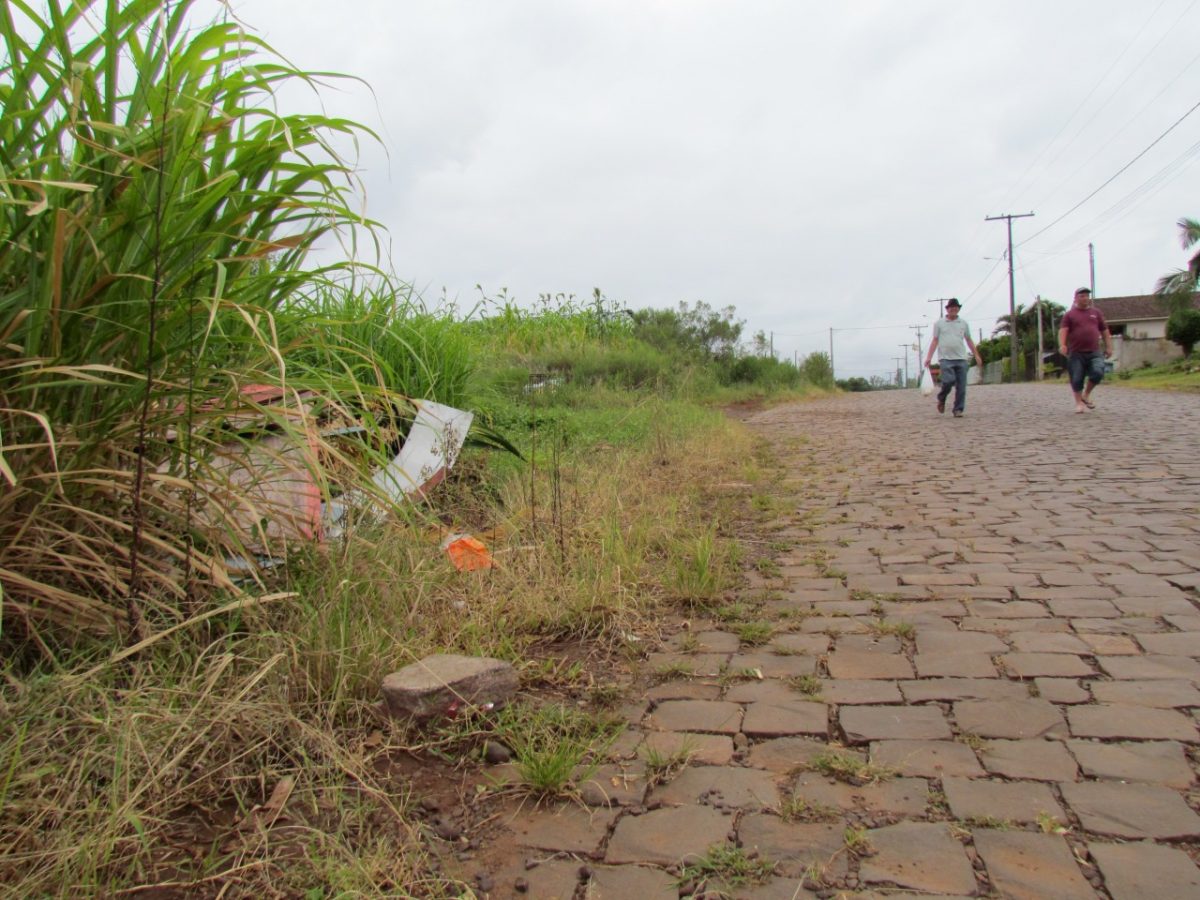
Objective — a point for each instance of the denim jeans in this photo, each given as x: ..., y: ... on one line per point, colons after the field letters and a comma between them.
x: 954, y: 375
x: 1085, y: 365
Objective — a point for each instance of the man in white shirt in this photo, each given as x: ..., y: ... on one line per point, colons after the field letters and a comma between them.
x: 951, y: 340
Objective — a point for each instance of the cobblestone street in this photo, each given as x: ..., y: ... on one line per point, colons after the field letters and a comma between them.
x: 980, y: 676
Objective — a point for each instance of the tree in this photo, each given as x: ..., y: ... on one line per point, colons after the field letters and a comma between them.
x: 1183, y: 328
x: 1178, y: 286
x: 1027, y: 325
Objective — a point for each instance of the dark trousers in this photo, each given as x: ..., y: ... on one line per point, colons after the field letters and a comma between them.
x: 954, y: 375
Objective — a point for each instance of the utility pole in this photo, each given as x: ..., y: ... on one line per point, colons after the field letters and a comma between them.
x: 920, y: 351
x: 1012, y: 292
x: 939, y: 302
x: 1092, y: 265
x: 772, y: 345
x: 896, y: 359
x: 905, y: 346
x: 831, y: 369
x: 1040, y: 374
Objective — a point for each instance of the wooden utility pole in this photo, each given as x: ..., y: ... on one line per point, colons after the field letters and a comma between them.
x: 1012, y: 291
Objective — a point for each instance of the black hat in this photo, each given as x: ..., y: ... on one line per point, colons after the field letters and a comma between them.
x: 953, y: 301
x: 1083, y: 290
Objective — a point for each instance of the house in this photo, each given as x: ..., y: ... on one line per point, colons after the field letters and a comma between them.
x: 1139, y: 328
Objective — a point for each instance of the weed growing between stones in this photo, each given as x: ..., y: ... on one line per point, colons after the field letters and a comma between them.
x: 849, y: 769
x: 732, y: 866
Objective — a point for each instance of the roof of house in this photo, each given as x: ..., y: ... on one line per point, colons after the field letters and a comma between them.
x: 1137, y: 309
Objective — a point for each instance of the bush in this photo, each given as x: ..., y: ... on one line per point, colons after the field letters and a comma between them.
x: 1183, y: 328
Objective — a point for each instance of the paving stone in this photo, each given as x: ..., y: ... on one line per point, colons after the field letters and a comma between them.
x: 918, y: 855
x: 855, y: 692
x: 705, y: 641
x: 954, y: 641
x: 1133, y: 667
x: 936, y: 579
x: 932, y: 609
x: 1154, y: 606
x: 865, y: 664
x: 668, y: 836
x: 773, y: 665
x: 624, y: 882
x: 1148, y: 762
x: 725, y: 787
x: 810, y: 644
x: 955, y: 665
x: 927, y: 759
x: 777, y: 719
x: 1133, y: 625
x: 906, y: 797
x: 1041, y: 760
x: 1029, y: 718
x: 1053, y: 665
x: 1112, y: 720
x: 784, y: 755
x: 684, y: 689
x: 1141, y: 870
x: 1076, y: 608
x: 962, y: 689
x: 1008, y: 626
x: 1165, y: 693
x: 703, y: 749
x: 695, y: 665
x: 1179, y: 643
x: 1111, y: 644
x: 1027, y: 866
x: 1012, y: 609
x: 870, y: 643
x: 719, y: 716
x: 834, y: 625
x: 770, y: 690
x: 1021, y: 801
x: 795, y: 846
x: 554, y: 878
x: 621, y: 784
x: 773, y: 889
x: 1048, y: 642
x: 863, y: 724
x: 626, y: 744
x: 1061, y: 690
x: 569, y: 829
x: 1131, y: 810
x: 1190, y: 622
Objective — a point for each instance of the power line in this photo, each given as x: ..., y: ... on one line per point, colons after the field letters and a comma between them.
x: 1114, y: 177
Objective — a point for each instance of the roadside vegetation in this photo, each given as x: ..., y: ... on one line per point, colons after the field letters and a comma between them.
x: 190, y: 690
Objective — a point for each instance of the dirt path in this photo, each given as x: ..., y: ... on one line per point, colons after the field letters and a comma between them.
x: 981, y: 675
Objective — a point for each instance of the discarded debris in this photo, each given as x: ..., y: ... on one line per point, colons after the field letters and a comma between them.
x: 447, y: 685
x: 467, y: 553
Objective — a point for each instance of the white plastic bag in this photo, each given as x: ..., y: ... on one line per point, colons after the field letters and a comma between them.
x: 925, y: 383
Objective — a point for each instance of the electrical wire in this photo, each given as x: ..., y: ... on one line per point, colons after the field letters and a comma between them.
x: 1113, y: 177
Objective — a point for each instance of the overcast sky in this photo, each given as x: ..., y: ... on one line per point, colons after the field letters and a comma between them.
x: 815, y: 165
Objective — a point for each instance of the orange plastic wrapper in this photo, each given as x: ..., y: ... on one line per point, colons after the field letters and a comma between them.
x: 467, y: 553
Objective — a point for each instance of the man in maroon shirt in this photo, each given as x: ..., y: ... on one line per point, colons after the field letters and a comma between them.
x: 1079, y: 340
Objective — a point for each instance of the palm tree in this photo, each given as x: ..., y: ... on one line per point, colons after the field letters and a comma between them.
x: 1178, y: 286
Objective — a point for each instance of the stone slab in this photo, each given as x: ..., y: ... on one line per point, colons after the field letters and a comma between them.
x: 1131, y: 810
x: 1140, y: 870
x: 863, y: 724
x: 1039, y: 760
x: 1025, y: 866
x: 980, y: 798
x: 1148, y: 762
x: 715, y: 716
x: 920, y: 856
x: 724, y: 787
x: 927, y: 759
x: 668, y: 836
x: 1012, y: 719
x: 1127, y: 721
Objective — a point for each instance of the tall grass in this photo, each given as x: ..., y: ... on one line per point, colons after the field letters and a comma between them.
x: 155, y: 219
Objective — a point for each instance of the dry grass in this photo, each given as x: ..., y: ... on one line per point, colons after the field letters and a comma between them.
x: 245, y: 751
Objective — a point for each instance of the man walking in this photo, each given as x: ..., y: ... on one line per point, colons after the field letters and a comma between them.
x: 951, y: 340
x: 1079, y: 341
